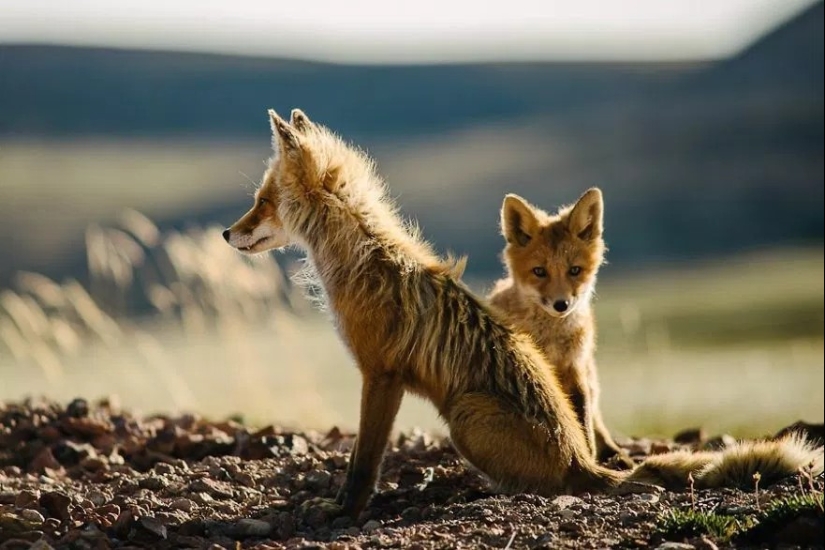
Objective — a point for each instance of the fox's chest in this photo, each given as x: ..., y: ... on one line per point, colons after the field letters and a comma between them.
x: 566, y: 349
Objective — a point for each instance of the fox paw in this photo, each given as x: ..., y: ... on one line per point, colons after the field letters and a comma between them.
x: 619, y: 461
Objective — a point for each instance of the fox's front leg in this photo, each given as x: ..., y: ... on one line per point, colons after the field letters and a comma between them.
x: 380, y: 399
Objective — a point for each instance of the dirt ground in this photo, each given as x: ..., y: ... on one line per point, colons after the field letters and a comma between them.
x: 91, y: 476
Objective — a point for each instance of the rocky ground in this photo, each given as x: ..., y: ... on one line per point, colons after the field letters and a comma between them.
x: 93, y: 476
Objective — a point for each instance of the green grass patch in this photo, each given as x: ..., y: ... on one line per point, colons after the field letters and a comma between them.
x: 781, y: 513
x: 681, y: 524
x: 755, y: 528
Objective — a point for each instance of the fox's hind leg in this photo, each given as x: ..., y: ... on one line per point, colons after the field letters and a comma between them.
x: 516, y: 455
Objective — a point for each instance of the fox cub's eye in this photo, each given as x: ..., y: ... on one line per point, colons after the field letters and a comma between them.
x: 539, y: 272
x: 575, y: 270
x: 262, y: 201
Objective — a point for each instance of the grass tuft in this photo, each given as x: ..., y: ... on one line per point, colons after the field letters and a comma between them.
x: 681, y: 524
x: 761, y: 527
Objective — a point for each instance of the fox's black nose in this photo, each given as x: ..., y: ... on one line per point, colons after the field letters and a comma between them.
x: 561, y: 305
x: 225, y: 235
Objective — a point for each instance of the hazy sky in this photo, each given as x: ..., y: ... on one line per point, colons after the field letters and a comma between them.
x: 405, y: 31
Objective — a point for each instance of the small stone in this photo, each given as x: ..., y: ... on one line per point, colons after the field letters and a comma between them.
x: 650, y: 498
x: 567, y: 513
x: 215, y: 489
x: 566, y: 501
x: 26, y: 499
x: 719, y: 442
x: 675, y: 546
x: 123, y: 523
x: 78, y: 408
x: 412, y: 513
x: 318, y: 479
x: 94, y: 464
x: 252, y: 528
x: 153, y: 527
x: 371, y: 526
x: 97, y: 498
x: 636, y: 488
x: 44, y: 460
x: 658, y: 448
x: 56, y: 504
x: 246, y: 480
x: 51, y: 524
x: 182, y: 504
x: 571, y: 527
x: 153, y: 483
x: 33, y: 516
x: 690, y: 436
x: 626, y: 518
x: 202, y: 498
x: 342, y: 522
x: 163, y: 468
x: 108, y: 509
x: 296, y: 444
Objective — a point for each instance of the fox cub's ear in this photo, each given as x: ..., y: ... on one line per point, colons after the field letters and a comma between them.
x: 284, y: 137
x: 586, y: 218
x: 518, y: 220
x: 300, y: 121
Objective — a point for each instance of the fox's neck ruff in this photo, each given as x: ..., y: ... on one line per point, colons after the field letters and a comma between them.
x: 350, y: 223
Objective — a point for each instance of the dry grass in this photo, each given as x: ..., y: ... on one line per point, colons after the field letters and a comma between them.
x: 225, y: 334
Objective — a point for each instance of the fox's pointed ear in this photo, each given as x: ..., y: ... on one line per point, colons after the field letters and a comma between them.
x: 586, y: 219
x: 519, y: 223
x: 300, y: 121
x: 284, y: 136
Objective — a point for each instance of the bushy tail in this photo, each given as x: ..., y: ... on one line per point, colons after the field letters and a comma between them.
x: 734, y: 466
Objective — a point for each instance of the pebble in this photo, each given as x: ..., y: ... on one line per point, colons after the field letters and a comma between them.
x: 566, y: 501
x: 371, y: 526
x: 650, y: 498
x: 252, y: 528
x: 33, y: 516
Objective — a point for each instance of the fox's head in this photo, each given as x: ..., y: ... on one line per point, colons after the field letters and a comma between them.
x: 261, y: 228
x: 553, y: 260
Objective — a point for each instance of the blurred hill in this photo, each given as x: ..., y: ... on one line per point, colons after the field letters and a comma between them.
x: 695, y: 159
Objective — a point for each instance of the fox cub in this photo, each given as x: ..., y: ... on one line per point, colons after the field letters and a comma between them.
x: 552, y: 262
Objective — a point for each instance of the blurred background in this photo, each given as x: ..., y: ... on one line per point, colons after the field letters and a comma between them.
x: 130, y: 133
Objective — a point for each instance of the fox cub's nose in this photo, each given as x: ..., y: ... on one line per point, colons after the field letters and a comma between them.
x: 225, y: 235
x: 561, y: 305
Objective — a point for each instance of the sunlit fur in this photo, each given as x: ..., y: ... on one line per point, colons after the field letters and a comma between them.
x: 556, y: 243
x: 734, y: 466
x: 412, y: 325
